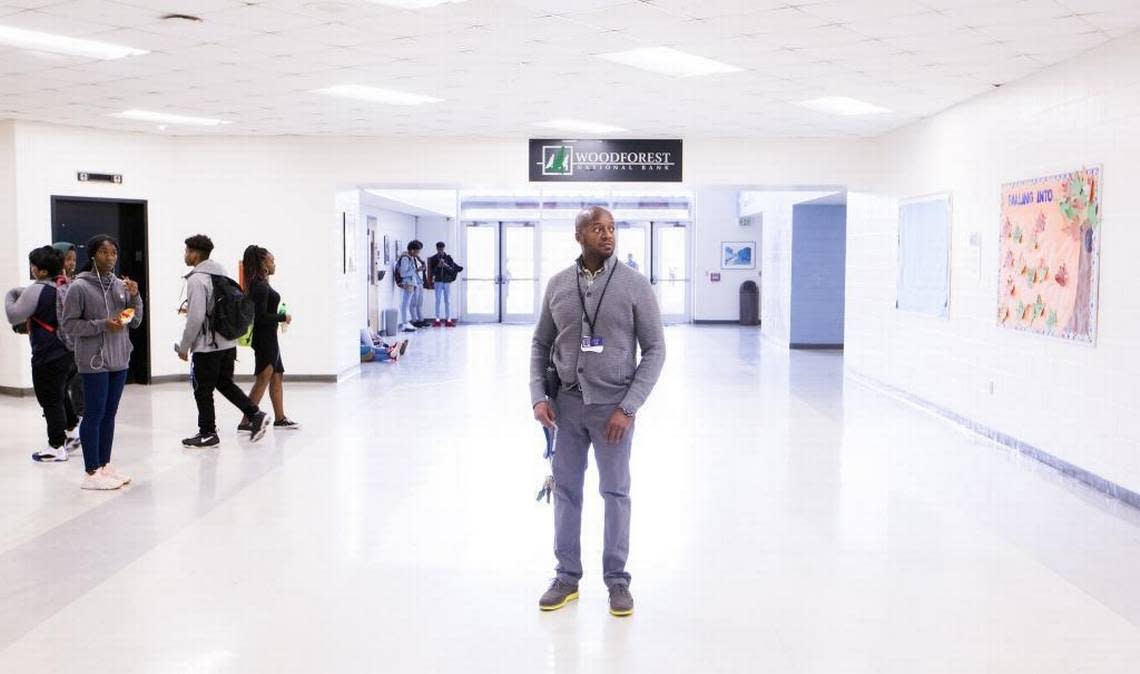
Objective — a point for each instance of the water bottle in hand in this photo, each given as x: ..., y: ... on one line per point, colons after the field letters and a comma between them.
x: 283, y: 311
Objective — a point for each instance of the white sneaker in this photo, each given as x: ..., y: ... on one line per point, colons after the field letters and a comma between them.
x: 100, y: 481
x: 408, y: 327
x: 72, y: 444
x: 51, y: 455
x: 108, y: 470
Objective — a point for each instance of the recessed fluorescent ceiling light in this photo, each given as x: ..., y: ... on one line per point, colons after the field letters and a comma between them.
x: 60, y: 44
x: 163, y: 118
x: 842, y: 105
x: 415, y: 4
x: 377, y: 95
x: 669, y: 62
x: 579, y: 126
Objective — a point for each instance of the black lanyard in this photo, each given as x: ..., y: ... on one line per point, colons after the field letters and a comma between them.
x: 598, y: 309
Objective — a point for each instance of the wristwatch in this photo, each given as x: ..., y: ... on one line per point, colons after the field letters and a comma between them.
x: 628, y: 413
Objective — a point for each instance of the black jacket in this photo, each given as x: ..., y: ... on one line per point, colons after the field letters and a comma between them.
x: 442, y: 268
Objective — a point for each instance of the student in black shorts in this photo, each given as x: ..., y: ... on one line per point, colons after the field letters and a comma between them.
x: 257, y: 266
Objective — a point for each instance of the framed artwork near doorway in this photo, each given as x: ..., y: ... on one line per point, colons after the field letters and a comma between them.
x: 738, y: 255
x: 387, y: 253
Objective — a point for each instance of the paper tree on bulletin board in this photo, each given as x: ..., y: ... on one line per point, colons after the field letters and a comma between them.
x: 1049, y: 261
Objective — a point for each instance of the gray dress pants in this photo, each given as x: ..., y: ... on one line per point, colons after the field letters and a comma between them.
x: 580, y: 426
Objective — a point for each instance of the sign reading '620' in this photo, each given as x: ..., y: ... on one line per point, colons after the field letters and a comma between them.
x: 605, y: 161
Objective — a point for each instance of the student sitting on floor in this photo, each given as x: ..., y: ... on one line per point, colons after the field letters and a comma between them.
x: 372, y: 348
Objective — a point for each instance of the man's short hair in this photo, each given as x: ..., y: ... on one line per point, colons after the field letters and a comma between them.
x: 47, y: 259
x: 415, y: 244
x: 202, y: 244
x: 440, y: 244
x: 588, y: 215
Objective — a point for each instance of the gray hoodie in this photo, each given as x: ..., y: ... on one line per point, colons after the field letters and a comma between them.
x: 90, y: 302
x: 197, y: 337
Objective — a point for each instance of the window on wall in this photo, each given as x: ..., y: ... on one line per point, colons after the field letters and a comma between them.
x: 924, y: 256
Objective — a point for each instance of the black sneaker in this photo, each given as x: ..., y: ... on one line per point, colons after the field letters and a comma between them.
x: 259, y: 423
x: 286, y: 425
x: 202, y: 440
x: 245, y: 426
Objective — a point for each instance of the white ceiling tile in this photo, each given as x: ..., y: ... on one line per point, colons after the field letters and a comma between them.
x: 58, y: 25
x: 503, y: 64
x: 846, y: 11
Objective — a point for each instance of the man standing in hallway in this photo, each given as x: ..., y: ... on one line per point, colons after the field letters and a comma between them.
x: 594, y: 316
x: 214, y: 355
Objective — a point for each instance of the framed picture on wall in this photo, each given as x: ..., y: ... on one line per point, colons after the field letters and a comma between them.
x: 738, y: 255
x: 350, y: 242
x: 387, y: 253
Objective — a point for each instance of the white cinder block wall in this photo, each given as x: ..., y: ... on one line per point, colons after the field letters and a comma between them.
x: 1073, y: 401
x: 15, y: 353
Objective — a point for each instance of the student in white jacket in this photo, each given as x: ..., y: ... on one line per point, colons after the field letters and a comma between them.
x: 213, y: 355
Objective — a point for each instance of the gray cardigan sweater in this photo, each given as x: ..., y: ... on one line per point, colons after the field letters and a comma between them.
x: 629, y: 318
x: 85, y: 313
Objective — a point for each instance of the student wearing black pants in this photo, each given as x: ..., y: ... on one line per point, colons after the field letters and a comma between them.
x: 214, y: 355
x: 214, y: 371
x: 52, y: 363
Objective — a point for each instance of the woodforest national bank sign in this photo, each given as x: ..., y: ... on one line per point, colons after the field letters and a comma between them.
x: 607, y: 161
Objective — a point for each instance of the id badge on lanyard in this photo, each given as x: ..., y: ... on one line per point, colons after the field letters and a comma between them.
x: 593, y: 344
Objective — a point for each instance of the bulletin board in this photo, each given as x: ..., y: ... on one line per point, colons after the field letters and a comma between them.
x: 1049, y: 255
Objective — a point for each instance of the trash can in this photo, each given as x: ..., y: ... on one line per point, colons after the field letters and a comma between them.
x: 391, y: 322
x: 749, y: 303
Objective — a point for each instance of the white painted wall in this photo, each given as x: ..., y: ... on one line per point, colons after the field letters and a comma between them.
x: 397, y: 226
x: 716, y: 219
x: 15, y: 354
x: 1073, y: 401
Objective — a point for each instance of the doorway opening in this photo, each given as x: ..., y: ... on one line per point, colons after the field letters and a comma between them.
x: 514, y: 243
x: 77, y: 219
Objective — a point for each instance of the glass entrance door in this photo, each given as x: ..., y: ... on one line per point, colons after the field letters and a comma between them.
x: 501, y: 275
x: 633, y: 246
x: 481, y: 275
x: 519, y: 299
x: 671, y: 270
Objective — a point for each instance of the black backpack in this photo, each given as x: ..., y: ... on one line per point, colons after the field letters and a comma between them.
x: 232, y: 313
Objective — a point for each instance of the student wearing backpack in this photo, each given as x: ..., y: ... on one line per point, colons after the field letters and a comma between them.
x: 210, y: 303
x: 67, y: 250
x: 258, y: 264
x: 410, y: 278
x: 52, y: 363
x: 98, y: 313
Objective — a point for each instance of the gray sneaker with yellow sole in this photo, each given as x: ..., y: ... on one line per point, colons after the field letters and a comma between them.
x: 558, y: 595
x: 621, y: 601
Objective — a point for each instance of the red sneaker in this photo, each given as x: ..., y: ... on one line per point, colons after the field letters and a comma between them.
x: 451, y: 324
x: 435, y: 323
